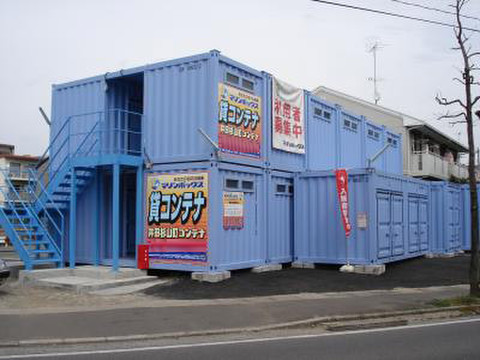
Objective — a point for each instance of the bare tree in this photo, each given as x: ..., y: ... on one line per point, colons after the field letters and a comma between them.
x: 465, y: 115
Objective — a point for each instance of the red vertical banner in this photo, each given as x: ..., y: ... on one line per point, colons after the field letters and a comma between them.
x: 342, y: 191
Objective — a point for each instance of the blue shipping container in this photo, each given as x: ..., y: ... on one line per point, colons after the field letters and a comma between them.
x: 447, y: 215
x: 339, y: 139
x: 389, y: 216
x: 235, y: 232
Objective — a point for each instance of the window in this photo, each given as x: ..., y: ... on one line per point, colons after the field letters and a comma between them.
x: 231, y: 184
x: 235, y: 184
x: 242, y: 82
x: 393, y: 142
x: 350, y: 124
x: 290, y: 189
x: 232, y: 79
x: 247, y: 84
x: 325, y: 115
x: 247, y: 185
x: 281, y: 188
x: 15, y: 169
x: 375, y: 135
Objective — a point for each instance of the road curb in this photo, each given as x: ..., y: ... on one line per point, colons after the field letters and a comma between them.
x: 286, y: 325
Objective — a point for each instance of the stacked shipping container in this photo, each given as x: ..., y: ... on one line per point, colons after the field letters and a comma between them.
x: 220, y: 193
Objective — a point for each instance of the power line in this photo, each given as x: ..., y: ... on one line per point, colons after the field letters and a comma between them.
x: 428, y: 21
x: 433, y: 9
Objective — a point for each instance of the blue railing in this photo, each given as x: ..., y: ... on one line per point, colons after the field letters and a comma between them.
x: 58, y: 225
x: 112, y: 132
x: 15, y: 202
x: 93, y: 134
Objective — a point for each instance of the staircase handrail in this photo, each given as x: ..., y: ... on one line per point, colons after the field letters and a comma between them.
x: 68, y: 156
x: 42, y: 158
x: 37, y: 200
x: 14, y: 208
x: 31, y: 212
x: 40, y: 176
x: 92, y: 130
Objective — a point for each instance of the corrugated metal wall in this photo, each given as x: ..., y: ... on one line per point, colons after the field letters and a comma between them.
x: 179, y: 99
x: 352, y: 150
x: 447, y: 209
x: 466, y: 217
x: 338, y: 139
x: 246, y: 247
x: 393, y: 156
x: 374, y: 142
x: 73, y: 99
x: 322, y: 146
x: 280, y: 216
x: 379, y: 204
x: 229, y: 248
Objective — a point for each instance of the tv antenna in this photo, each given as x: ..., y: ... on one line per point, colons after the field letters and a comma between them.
x: 373, y: 47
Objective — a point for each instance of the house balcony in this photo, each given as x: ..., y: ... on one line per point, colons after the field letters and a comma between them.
x: 426, y: 164
x: 18, y: 175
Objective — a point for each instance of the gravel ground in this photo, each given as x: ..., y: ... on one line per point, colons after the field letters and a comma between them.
x: 410, y: 274
x: 414, y: 273
x: 15, y: 296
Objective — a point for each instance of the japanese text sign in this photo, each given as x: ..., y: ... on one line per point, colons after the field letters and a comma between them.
x: 288, y: 125
x: 233, y: 202
x: 177, y: 217
x: 239, y: 121
x: 342, y: 190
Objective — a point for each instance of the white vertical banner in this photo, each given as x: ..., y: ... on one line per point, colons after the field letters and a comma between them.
x: 288, y: 113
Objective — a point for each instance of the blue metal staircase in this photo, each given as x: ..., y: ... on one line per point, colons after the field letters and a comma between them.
x: 33, y: 216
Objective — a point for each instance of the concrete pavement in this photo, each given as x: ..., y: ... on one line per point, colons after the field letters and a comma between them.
x: 175, y: 318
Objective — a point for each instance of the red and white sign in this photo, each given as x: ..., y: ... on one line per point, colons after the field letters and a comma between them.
x: 342, y: 190
x: 288, y: 131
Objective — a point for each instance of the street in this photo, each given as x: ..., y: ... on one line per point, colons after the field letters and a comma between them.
x: 450, y: 340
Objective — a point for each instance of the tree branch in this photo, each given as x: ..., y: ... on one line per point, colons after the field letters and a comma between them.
x: 454, y: 116
x: 443, y: 101
x: 477, y: 53
x: 459, y: 80
x: 475, y: 100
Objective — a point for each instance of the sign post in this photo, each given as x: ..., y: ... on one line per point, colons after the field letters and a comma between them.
x: 342, y: 192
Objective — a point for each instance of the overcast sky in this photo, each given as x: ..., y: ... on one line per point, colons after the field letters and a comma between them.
x: 45, y: 42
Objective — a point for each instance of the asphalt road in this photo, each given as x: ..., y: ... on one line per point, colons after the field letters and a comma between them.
x: 454, y: 340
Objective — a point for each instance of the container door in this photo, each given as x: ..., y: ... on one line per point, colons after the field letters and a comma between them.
x: 280, y: 218
x: 397, y: 225
x: 383, y: 225
x: 452, y: 240
x: 413, y: 233
x: 423, y: 223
